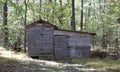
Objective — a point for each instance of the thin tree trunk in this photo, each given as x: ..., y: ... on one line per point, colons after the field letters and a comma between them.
x: 53, y: 12
x: 60, y: 2
x: 81, y: 22
x: 89, y: 10
x: 87, y: 15
x: 116, y: 39
x: 47, y: 11
x: 60, y: 17
x: 5, y: 29
x: 103, y: 36
x: 40, y: 9
x: 67, y: 1
x: 95, y: 11
x: 69, y: 19
x: 25, y: 25
x: 50, y: 0
x: 100, y: 6
x: 73, y: 25
x: 104, y: 6
x: 33, y: 12
x: 55, y: 1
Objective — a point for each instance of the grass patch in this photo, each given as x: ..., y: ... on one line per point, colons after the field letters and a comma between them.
x: 4, y: 60
x: 106, y: 63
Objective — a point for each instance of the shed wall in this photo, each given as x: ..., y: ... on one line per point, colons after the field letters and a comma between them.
x: 40, y: 40
x: 63, y: 44
x: 79, y: 43
x: 61, y: 47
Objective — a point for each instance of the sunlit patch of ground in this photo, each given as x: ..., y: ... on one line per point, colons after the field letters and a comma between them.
x: 11, y: 54
x: 107, y: 63
x: 20, y: 62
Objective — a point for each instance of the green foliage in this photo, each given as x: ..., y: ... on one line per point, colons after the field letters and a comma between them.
x: 114, y: 7
x: 3, y: 1
x: 57, y: 14
x: 17, y: 7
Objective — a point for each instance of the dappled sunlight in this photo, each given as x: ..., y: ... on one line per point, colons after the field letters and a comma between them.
x: 11, y: 54
x: 26, y: 63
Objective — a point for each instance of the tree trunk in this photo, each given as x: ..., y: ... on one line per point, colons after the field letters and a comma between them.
x: 89, y: 10
x: 81, y: 22
x: 60, y: 2
x: 40, y: 1
x: 33, y: 12
x: 25, y: 25
x: 100, y: 6
x: 5, y: 29
x: 73, y: 25
x: 55, y: 1
x: 104, y: 45
x: 50, y: 0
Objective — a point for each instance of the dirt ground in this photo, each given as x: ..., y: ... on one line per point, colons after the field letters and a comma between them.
x: 23, y: 63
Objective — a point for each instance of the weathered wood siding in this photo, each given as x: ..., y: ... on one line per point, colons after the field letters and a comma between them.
x: 61, y: 47
x: 47, y: 41
x: 40, y: 40
x: 80, y: 51
x: 71, y: 34
x: 79, y: 43
x: 79, y: 47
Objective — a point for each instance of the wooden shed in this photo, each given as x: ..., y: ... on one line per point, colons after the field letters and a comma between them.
x: 47, y: 41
